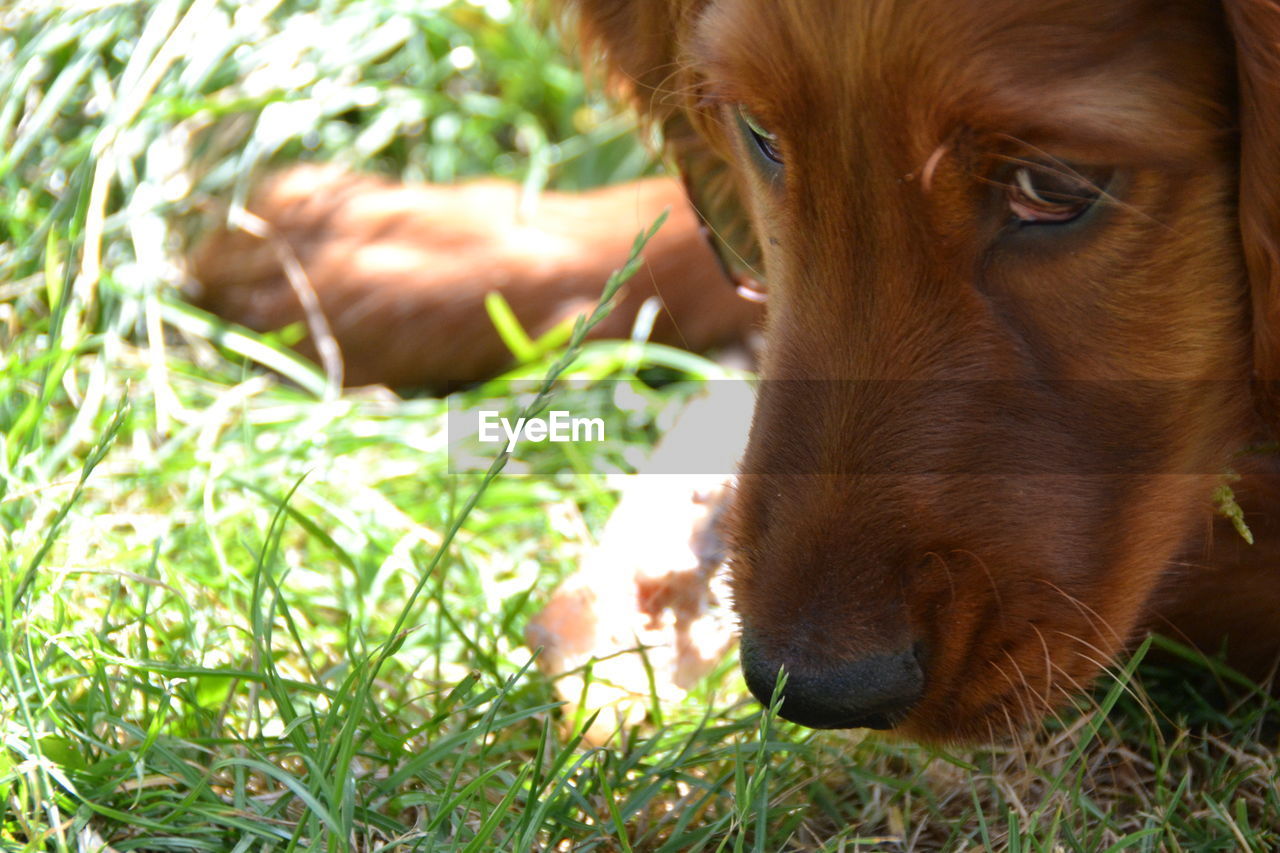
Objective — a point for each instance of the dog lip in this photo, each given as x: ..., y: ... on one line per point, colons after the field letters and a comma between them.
x: 868, y: 720
x: 882, y: 717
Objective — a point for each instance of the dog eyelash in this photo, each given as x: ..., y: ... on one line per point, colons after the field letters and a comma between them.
x: 765, y: 140
x: 1032, y: 204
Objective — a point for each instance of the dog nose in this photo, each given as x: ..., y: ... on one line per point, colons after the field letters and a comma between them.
x: 872, y: 692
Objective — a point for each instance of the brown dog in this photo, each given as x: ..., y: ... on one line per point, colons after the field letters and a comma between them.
x: 1024, y: 274
x: 1023, y: 263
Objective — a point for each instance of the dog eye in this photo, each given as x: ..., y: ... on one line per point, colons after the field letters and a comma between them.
x: 765, y: 140
x: 1049, y: 195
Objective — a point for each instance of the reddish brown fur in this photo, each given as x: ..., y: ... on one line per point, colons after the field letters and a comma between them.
x: 1019, y: 584
x: 401, y: 271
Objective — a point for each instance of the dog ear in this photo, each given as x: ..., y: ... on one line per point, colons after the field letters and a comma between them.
x: 1255, y: 26
x: 637, y: 39
x: 642, y: 43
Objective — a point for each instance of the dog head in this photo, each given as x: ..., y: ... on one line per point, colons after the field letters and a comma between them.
x: 1022, y: 265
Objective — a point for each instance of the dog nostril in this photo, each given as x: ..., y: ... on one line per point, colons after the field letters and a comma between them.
x: 873, y: 692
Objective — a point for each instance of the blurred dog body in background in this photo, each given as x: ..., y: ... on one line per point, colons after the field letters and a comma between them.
x: 400, y: 271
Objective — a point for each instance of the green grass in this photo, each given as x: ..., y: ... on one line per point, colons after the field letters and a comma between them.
x: 240, y: 613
